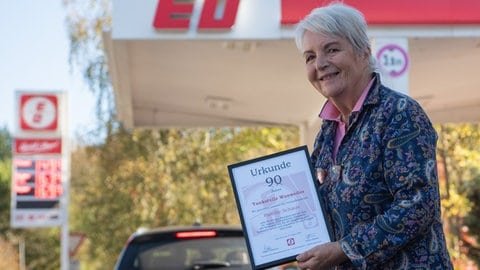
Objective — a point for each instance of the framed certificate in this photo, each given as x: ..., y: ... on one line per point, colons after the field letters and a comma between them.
x: 279, y: 207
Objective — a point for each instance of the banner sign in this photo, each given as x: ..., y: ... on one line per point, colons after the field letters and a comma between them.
x: 39, y: 171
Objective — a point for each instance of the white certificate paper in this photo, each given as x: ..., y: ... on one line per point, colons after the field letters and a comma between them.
x: 279, y: 207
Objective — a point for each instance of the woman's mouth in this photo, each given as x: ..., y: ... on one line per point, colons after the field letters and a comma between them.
x: 328, y: 76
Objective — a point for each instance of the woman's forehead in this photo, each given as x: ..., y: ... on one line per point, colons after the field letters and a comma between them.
x: 315, y: 39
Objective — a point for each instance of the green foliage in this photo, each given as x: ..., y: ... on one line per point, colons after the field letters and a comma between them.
x: 6, y: 143
x: 5, y: 176
x: 472, y: 220
x: 8, y: 245
x: 86, y: 20
x: 42, y: 248
x: 152, y: 178
x: 8, y: 255
x: 459, y: 157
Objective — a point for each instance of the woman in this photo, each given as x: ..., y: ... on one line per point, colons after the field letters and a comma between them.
x: 374, y: 155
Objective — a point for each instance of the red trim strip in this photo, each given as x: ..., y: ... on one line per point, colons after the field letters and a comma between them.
x: 394, y: 11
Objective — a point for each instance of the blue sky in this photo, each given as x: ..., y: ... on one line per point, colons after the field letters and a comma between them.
x: 34, y: 56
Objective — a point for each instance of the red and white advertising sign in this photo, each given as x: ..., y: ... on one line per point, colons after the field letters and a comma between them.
x: 40, y: 161
x: 38, y: 112
x: 37, y: 146
x: 274, y: 19
x: 172, y: 14
x: 215, y: 14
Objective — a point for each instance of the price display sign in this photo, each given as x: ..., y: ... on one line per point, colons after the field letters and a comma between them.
x: 279, y: 207
x: 37, y: 190
x: 40, y: 160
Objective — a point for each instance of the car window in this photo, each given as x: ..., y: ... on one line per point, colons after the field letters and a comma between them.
x: 203, y: 253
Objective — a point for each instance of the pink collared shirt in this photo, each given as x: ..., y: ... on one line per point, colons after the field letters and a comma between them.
x: 330, y: 112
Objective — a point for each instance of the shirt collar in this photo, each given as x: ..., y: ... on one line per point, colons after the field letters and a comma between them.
x: 330, y: 112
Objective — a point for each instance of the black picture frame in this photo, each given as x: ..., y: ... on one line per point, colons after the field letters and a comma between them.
x: 261, y: 167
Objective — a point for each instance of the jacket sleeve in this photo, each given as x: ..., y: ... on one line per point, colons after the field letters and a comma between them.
x: 409, y: 170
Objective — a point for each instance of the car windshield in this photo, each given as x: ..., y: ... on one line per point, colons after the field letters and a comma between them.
x: 204, y: 253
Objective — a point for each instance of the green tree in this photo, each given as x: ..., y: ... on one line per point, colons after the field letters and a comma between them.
x: 5, y: 144
x: 459, y: 164
x: 151, y: 178
x: 8, y: 250
x: 86, y: 21
x: 471, y: 232
x: 5, y: 175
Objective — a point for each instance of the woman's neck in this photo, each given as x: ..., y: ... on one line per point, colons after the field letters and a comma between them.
x: 346, y: 103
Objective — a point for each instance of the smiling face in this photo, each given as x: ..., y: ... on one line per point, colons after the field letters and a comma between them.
x: 334, y: 68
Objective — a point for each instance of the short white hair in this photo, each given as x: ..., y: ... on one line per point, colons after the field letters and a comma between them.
x: 339, y: 20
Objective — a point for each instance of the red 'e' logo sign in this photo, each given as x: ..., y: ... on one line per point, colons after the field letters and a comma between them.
x: 216, y: 14
x: 38, y: 112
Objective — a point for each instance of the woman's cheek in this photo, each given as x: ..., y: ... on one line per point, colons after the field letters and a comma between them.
x: 311, y: 74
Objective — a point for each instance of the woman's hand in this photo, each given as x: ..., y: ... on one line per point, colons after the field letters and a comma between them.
x: 323, y: 256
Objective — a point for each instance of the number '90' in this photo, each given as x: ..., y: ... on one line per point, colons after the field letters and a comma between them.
x: 277, y: 180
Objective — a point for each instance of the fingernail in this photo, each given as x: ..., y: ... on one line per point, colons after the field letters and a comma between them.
x: 321, y: 175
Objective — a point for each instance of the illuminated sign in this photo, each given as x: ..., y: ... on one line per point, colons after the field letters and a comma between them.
x: 215, y: 14
x: 37, y: 180
x: 37, y: 188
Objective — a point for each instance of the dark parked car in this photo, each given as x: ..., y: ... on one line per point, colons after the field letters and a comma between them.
x: 186, y: 248
x: 182, y: 248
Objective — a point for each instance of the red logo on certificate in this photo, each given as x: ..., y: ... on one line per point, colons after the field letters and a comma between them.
x: 38, y: 112
x: 291, y: 241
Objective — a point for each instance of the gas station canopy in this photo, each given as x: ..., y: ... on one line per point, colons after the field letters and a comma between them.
x: 234, y: 63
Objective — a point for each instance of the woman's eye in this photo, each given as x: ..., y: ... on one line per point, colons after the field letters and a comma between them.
x: 332, y: 50
x: 308, y: 58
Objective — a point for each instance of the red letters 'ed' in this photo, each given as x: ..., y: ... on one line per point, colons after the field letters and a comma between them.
x: 177, y: 15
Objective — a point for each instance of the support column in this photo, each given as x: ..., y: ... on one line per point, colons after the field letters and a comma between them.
x: 308, y: 132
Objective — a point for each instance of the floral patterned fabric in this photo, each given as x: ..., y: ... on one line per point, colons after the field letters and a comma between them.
x: 381, y: 192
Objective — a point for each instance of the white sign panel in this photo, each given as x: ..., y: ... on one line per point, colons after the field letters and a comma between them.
x: 40, y: 161
x: 253, y: 20
x: 393, y: 62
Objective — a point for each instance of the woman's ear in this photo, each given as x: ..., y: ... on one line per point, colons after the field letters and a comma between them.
x: 367, y: 53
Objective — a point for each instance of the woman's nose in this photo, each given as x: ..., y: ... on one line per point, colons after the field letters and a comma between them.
x: 321, y: 63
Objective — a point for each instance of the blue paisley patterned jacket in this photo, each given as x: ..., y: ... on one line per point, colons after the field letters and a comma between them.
x: 381, y: 192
